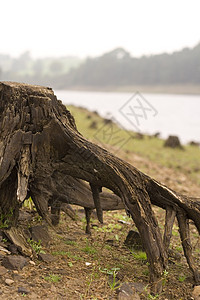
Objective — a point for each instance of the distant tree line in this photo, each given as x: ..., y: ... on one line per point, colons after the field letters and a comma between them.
x: 115, y: 68
x: 44, y: 71
x: 119, y: 68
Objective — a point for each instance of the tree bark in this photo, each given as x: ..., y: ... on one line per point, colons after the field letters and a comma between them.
x: 40, y: 148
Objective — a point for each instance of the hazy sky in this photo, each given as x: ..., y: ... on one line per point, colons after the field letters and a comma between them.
x: 91, y: 27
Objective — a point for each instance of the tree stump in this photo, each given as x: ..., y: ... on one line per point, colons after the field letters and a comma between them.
x: 43, y: 155
x: 173, y: 142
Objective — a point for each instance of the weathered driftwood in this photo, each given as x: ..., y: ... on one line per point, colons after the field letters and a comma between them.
x: 40, y: 145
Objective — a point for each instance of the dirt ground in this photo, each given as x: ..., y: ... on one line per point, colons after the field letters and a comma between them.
x: 94, y: 267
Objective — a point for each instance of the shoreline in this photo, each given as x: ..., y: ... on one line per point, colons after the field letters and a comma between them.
x: 167, y: 89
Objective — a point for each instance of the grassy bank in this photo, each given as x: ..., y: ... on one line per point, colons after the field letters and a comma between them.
x: 108, y: 135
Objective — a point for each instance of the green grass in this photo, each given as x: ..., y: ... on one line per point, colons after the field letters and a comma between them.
x: 89, y: 249
x: 74, y: 257
x: 52, y: 278
x: 188, y: 160
x: 108, y: 228
x: 139, y: 255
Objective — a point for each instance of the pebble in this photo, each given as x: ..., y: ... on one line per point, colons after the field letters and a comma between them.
x: 9, y: 281
x: 196, y: 292
x: 46, y: 257
x: 127, y: 292
x: 32, y: 263
x: 3, y: 270
x: 23, y: 290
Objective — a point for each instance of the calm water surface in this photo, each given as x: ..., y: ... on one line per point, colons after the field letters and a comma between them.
x: 167, y: 114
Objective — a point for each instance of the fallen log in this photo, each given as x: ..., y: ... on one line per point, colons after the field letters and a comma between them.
x: 40, y: 144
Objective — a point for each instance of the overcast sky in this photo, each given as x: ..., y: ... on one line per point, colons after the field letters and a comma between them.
x: 90, y: 27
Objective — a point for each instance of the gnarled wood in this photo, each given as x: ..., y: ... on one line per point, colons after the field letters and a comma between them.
x: 40, y: 148
x: 169, y: 222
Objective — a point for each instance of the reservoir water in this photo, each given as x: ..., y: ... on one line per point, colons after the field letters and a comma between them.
x: 147, y: 113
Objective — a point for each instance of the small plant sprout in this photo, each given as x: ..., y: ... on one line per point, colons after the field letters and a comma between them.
x: 36, y: 246
x: 165, y: 275
x: 117, y: 237
x: 70, y: 264
x: 113, y: 272
x: 153, y: 297
x: 182, y: 278
x: 28, y: 203
x: 5, y: 219
x: 89, y: 249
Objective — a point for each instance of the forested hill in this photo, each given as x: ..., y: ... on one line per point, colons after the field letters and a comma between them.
x: 119, y: 68
x: 113, y: 69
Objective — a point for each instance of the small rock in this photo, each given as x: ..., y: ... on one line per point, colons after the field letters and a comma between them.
x: 87, y: 264
x: 32, y: 263
x: 46, y: 257
x: 196, y: 292
x: 23, y: 290
x: 3, y: 270
x: 124, y: 222
x: 14, y: 262
x: 40, y: 233
x: 139, y: 286
x: 9, y: 281
x: 133, y: 240
x: 13, y: 249
x: 127, y: 292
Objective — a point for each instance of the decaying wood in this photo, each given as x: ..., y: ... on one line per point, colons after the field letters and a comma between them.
x: 169, y: 222
x: 17, y: 237
x: 88, y: 212
x: 40, y: 148
x: 75, y: 191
